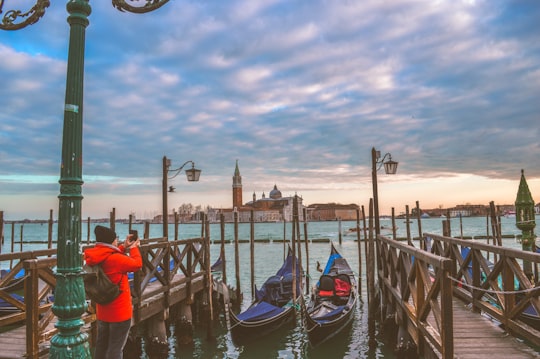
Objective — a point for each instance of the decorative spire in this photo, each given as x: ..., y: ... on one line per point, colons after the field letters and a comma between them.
x: 525, y: 220
x: 524, y: 206
x: 236, y: 170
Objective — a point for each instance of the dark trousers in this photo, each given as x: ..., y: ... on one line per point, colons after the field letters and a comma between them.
x: 111, y: 338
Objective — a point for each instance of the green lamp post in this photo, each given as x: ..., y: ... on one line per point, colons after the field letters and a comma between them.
x: 70, y: 303
x: 525, y: 220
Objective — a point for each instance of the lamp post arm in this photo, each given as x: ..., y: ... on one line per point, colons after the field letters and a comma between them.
x: 179, y: 169
x: 150, y: 5
x: 381, y: 161
x: 10, y: 18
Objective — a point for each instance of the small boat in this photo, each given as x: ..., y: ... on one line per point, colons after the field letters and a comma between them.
x: 332, y: 302
x: 272, y: 308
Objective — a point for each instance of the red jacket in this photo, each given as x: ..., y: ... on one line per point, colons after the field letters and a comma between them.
x: 116, y: 264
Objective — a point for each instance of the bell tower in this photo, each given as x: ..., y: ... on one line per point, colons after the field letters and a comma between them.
x: 237, y: 188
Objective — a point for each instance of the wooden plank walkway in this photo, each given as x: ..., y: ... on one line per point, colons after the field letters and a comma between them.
x: 476, y: 336
x: 13, y: 343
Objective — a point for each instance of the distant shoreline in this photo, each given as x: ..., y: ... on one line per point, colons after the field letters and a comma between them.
x: 126, y: 221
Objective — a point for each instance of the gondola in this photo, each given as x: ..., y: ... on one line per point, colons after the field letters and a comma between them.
x: 272, y: 307
x: 332, y: 301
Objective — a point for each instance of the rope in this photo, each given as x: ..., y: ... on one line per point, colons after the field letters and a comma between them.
x: 15, y: 282
x: 494, y: 291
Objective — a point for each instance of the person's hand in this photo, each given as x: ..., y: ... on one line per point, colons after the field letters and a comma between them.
x: 130, y: 241
x: 137, y: 243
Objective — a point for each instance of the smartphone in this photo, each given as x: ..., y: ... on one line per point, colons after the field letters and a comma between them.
x: 135, y: 235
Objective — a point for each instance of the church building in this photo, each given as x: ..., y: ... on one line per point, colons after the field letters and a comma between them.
x: 274, y: 208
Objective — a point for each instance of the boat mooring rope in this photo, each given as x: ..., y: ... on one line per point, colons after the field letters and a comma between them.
x: 494, y: 291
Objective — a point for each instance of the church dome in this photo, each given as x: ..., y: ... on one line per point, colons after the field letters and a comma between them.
x: 275, y: 193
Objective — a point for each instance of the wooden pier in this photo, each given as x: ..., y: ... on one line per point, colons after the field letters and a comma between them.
x: 439, y: 298
x: 450, y: 298
x: 173, y: 272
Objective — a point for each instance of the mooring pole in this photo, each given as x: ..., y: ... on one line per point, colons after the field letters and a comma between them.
x: 236, y: 258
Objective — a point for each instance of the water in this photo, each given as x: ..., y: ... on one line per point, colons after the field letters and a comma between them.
x: 289, y: 342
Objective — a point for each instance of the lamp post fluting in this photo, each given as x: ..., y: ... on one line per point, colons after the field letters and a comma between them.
x: 69, y: 297
x: 192, y: 175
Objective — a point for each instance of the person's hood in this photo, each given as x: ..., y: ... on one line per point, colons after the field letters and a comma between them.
x: 98, y: 253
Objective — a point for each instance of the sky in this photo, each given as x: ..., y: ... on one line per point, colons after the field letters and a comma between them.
x: 297, y: 91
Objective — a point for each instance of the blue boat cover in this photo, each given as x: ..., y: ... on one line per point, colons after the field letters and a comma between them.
x: 330, y: 315
x: 260, y: 311
x: 275, y: 293
x: 330, y: 262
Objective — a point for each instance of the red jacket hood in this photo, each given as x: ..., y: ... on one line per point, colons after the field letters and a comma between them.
x: 99, y: 253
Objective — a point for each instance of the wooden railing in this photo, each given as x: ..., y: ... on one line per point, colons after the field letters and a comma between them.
x: 492, y: 280
x: 172, y: 264
x: 15, y: 279
x: 168, y: 267
x: 417, y: 286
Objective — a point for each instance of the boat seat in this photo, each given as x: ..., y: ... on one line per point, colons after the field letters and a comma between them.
x: 326, y: 286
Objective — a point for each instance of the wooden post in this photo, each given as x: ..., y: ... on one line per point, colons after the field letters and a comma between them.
x: 307, y: 249
x: 50, y: 230
x: 1, y: 230
x: 31, y: 290
x: 113, y: 219
x: 293, y: 245
x: 176, y: 224
x: 460, y: 225
x: 365, y: 229
x: 12, y: 243
x: 448, y: 220
x: 252, y: 253
x: 394, y: 227
x: 21, y: 237
x: 339, y: 230
x: 236, y: 258
x: 494, y: 224
x: 88, y: 222
x: 419, y: 220
x: 371, y: 280
x: 447, y: 317
x: 156, y: 332
x: 146, y: 229
x: 222, y: 250
x: 130, y: 223
x: 298, y: 239
x: 284, y: 238
x: 210, y: 329
x: 408, y: 225
x: 202, y: 224
x: 359, y: 252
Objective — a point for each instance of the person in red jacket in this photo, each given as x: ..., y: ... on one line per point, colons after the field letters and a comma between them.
x: 114, y: 318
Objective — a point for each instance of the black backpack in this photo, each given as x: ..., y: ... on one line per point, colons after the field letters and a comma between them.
x: 98, y: 286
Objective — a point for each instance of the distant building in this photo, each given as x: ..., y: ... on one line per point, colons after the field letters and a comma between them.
x: 275, y: 208
x: 332, y: 212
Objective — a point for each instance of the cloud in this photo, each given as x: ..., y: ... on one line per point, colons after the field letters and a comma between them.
x: 298, y: 91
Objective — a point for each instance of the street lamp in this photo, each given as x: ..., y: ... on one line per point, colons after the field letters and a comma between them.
x: 192, y: 175
x: 390, y: 167
x: 69, y: 297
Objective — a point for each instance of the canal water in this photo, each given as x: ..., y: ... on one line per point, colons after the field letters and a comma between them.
x: 269, y: 252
